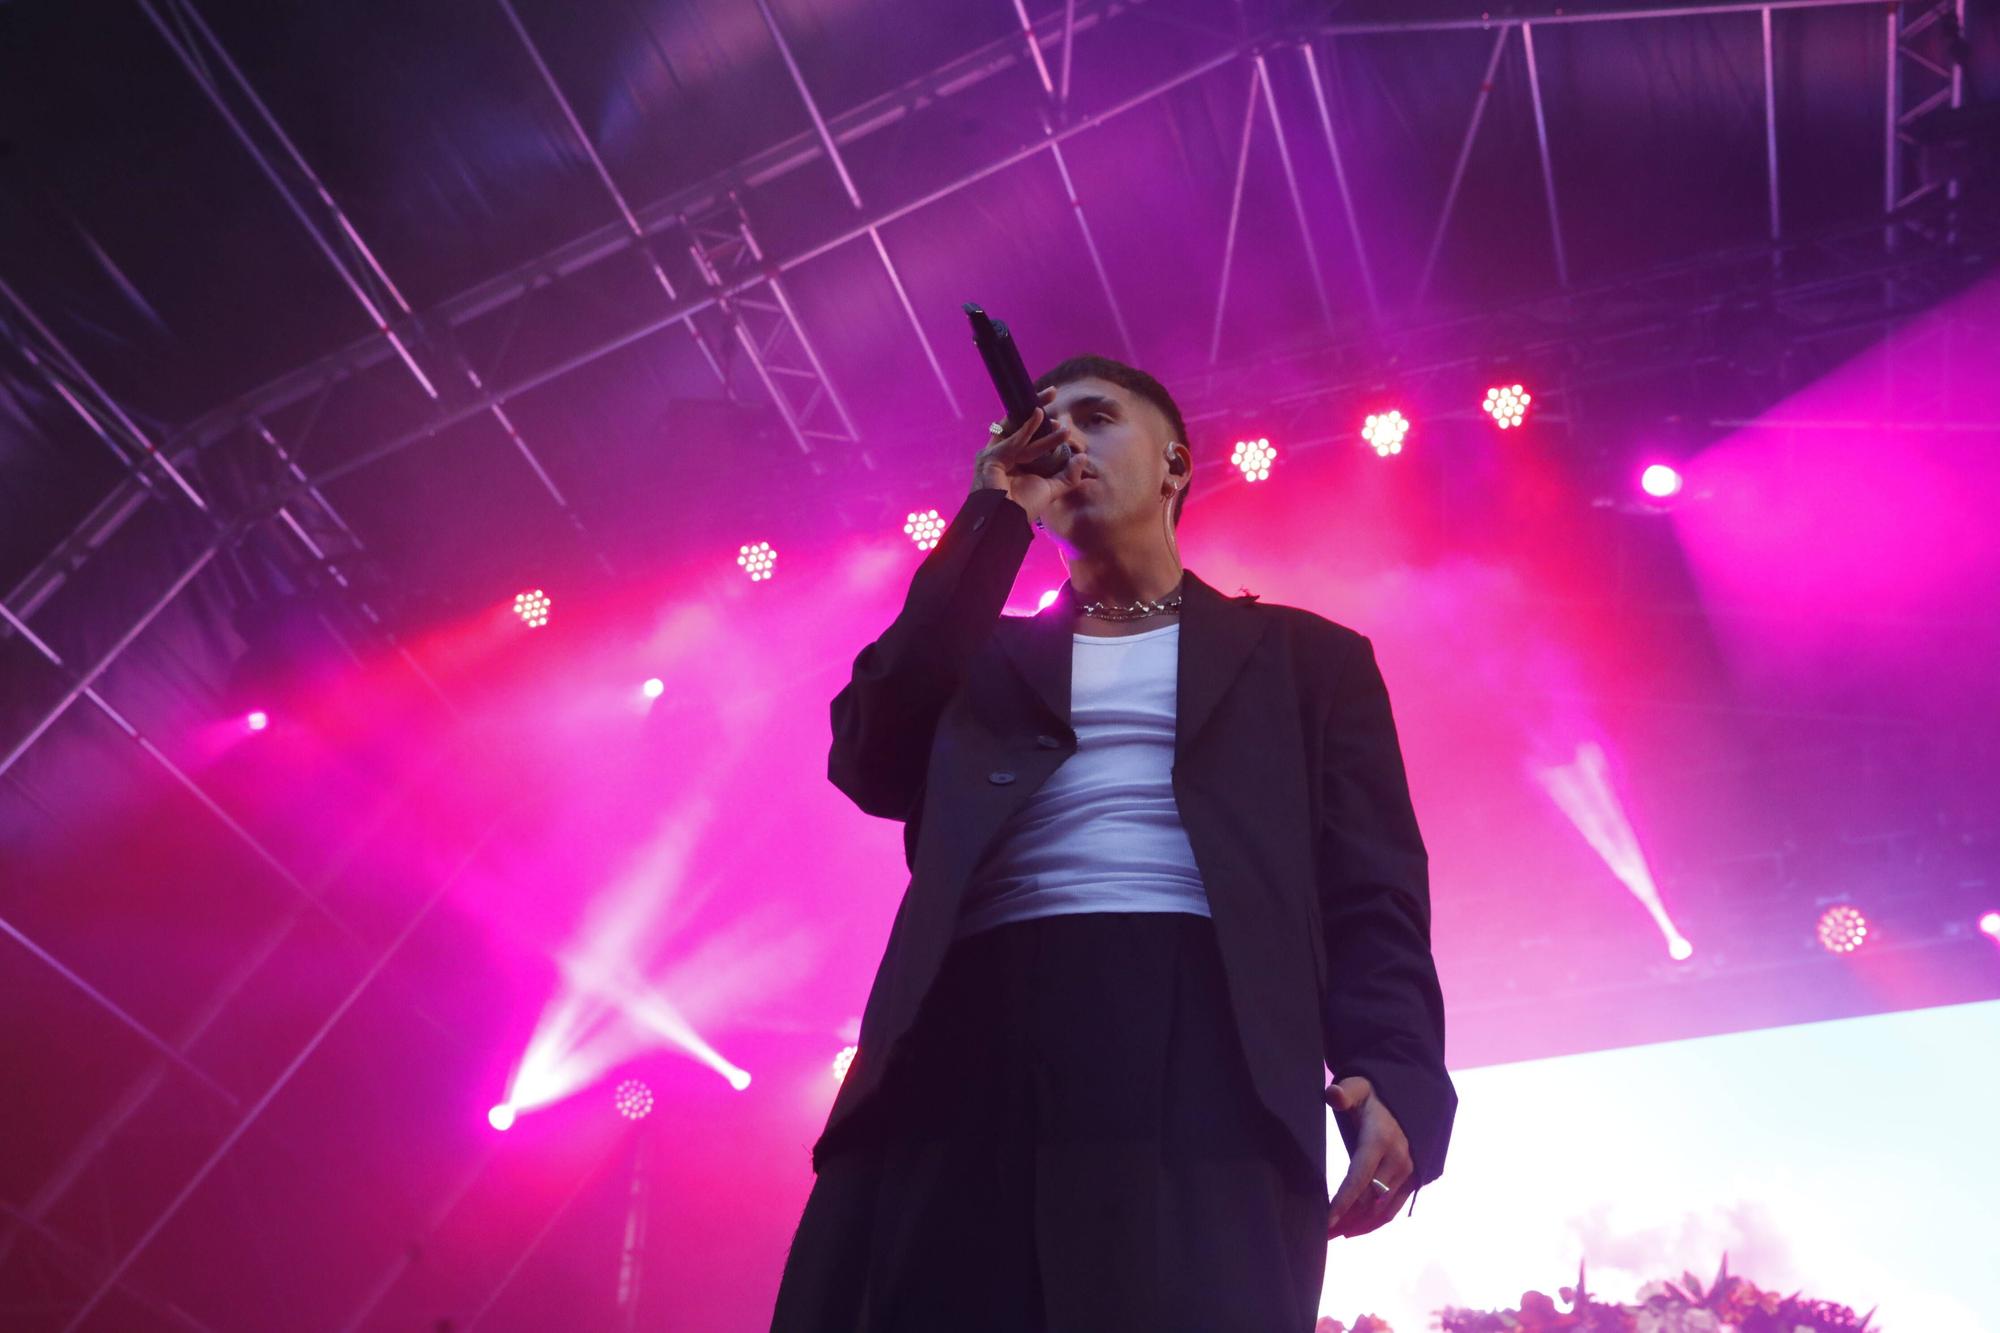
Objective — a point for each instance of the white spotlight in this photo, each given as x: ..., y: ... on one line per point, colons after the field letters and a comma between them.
x: 1507, y: 405
x: 1385, y: 432
x: 1254, y: 457
x: 924, y: 529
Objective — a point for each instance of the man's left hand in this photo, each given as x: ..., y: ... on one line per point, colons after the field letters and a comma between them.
x: 1381, y: 1152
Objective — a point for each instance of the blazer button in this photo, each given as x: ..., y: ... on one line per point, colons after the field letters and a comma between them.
x: 1000, y: 777
x: 1048, y: 742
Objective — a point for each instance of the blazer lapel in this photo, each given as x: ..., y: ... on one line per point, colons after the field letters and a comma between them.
x: 1217, y: 636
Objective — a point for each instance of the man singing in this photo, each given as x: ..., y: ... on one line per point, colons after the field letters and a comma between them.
x: 1164, y: 873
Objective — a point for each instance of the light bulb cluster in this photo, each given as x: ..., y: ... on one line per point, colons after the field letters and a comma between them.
x: 533, y: 608
x: 757, y: 561
x: 1254, y: 457
x: 1842, y: 928
x: 925, y: 529
x: 633, y: 1099
x: 1384, y: 431
x: 1507, y: 406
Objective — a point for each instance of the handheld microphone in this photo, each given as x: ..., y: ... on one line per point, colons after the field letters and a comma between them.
x: 1017, y: 389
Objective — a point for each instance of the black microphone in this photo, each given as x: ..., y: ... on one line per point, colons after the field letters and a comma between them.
x: 1017, y: 390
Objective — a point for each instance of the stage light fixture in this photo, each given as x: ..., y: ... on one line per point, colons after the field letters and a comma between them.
x: 257, y: 719
x: 924, y: 529
x: 1254, y: 458
x: 842, y: 1061
x: 653, y: 688
x: 1989, y: 924
x: 1507, y: 404
x: 1660, y: 481
x: 1842, y: 928
x: 1384, y: 431
x: 533, y: 608
x: 633, y: 1099
x: 739, y: 1079
x: 501, y: 1117
x: 757, y: 560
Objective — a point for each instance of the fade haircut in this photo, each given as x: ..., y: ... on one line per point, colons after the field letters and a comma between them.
x: 1132, y: 380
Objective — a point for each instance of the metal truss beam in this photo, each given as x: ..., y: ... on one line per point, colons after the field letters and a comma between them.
x: 63, y: 1178
x: 111, y: 1280
x: 191, y: 40
x: 333, y: 233
x: 1235, y: 214
x: 1924, y: 73
x: 83, y: 685
x: 1485, y: 22
x: 725, y: 251
x: 668, y: 216
x: 109, y: 422
x: 1340, y: 181
x: 1034, y: 48
x: 444, y: 416
x: 1481, y: 97
x: 1770, y: 123
x: 1292, y: 187
x: 617, y: 196
x: 1068, y: 49
x: 1548, y: 164
x: 68, y: 378
x: 802, y: 150
x: 85, y: 1265
x: 1634, y: 325
x: 832, y: 151
x: 1090, y: 245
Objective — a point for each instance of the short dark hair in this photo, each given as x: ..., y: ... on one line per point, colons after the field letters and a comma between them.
x: 1133, y: 380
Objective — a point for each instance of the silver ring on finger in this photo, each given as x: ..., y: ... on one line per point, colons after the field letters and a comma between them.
x: 1380, y: 1186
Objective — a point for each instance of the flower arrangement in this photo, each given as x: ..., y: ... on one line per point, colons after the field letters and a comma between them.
x: 1729, y: 1304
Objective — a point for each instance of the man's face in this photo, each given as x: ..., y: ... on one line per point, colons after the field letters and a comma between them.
x: 1123, y: 439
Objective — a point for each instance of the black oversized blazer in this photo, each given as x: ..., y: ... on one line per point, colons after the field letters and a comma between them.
x: 1289, y: 781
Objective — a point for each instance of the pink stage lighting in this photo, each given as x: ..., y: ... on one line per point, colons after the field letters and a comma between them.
x: 757, y: 560
x: 842, y: 1061
x: 257, y: 720
x: 633, y: 1099
x: 501, y: 1117
x: 533, y: 608
x: 1254, y: 458
x: 1385, y: 431
x: 1508, y: 405
x: 1842, y: 928
x: 1660, y: 481
x: 1989, y: 924
x: 924, y: 529
x: 653, y: 688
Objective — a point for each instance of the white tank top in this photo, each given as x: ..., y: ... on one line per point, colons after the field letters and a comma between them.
x: 1103, y: 834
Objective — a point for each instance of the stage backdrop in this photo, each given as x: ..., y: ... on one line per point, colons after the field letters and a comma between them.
x: 1854, y: 1159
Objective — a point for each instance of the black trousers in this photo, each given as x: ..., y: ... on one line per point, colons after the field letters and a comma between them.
x: 1071, y: 1143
